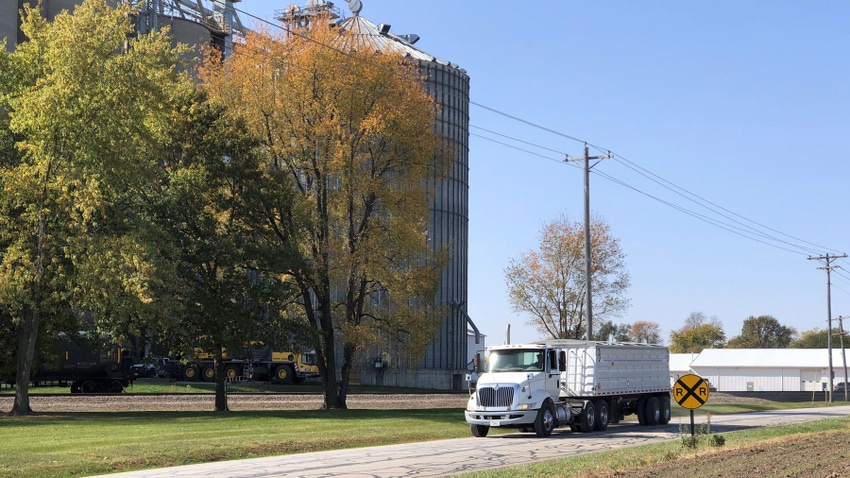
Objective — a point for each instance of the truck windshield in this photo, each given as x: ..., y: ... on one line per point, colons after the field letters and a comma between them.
x: 516, y: 361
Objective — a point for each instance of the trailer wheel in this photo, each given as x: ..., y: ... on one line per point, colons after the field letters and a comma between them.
x: 587, y: 419
x: 189, y: 372
x: 546, y: 420
x: 653, y: 411
x: 115, y: 387
x: 640, y: 411
x: 208, y: 373
x: 283, y: 374
x: 479, y: 431
x: 601, y: 415
x: 665, y: 410
x: 88, y: 387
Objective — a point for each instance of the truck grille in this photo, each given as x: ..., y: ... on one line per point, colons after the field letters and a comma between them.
x: 495, y: 397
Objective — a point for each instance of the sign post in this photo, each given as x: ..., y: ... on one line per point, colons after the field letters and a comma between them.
x: 691, y: 392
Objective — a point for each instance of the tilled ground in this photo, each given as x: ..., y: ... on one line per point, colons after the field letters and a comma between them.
x: 824, y: 455
x: 235, y: 401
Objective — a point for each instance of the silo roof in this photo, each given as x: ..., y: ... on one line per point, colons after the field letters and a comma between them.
x: 380, y: 37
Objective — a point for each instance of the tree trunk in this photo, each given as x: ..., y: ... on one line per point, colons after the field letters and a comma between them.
x: 220, y: 386
x: 331, y: 388
x: 27, y: 334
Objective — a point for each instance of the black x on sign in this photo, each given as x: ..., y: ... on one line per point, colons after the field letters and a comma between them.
x: 690, y: 391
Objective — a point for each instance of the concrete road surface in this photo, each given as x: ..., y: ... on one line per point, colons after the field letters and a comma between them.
x: 448, y: 457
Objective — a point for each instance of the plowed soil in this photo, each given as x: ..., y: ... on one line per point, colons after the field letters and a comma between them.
x: 825, y: 455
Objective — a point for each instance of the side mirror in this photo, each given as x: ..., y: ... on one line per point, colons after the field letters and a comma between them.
x: 476, y: 363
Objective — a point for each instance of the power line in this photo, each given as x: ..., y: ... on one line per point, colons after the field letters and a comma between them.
x: 747, y: 231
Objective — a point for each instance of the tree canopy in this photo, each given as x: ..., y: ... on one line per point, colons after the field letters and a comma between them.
x: 697, y: 334
x: 549, y: 284
x: 348, y: 135
x: 763, y: 332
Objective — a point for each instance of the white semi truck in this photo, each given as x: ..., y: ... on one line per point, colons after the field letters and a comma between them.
x: 586, y: 385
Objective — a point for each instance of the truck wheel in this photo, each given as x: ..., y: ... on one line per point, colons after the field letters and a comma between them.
x: 479, y: 431
x: 231, y: 372
x: 546, y: 420
x: 283, y: 374
x: 208, y: 373
x: 601, y: 415
x: 115, y: 387
x: 88, y: 387
x: 653, y: 411
x: 587, y: 419
x: 665, y: 410
x: 189, y: 372
x: 640, y: 411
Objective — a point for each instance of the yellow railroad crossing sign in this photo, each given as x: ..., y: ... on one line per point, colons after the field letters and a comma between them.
x: 690, y: 391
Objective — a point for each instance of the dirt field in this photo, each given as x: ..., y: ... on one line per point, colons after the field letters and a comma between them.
x: 826, y: 455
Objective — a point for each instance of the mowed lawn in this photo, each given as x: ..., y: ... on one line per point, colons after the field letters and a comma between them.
x: 75, y: 444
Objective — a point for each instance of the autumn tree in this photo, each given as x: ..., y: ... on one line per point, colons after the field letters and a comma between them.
x: 83, y: 99
x: 763, y: 332
x: 549, y: 283
x: 348, y: 132
x: 646, y: 332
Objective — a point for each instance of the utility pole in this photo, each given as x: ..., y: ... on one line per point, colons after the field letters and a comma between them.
x: 587, y: 264
x: 828, y: 258
x: 843, y: 354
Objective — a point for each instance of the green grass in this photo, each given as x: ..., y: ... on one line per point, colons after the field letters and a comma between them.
x: 648, y: 455
x: 74, y: 444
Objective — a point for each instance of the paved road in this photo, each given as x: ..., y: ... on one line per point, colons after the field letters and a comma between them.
x: 447, y: 457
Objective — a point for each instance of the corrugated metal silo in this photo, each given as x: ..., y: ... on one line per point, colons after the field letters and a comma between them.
x: 9, y: 23
x: 445, y: 364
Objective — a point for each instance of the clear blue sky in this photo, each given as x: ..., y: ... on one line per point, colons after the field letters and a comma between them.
x: 744, y: 103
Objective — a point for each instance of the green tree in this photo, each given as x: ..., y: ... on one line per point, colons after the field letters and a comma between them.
x: 84, y: 101
x: 549, y: 284
x: 763, y: 332
x: 690, y: 339
x: 351, y: 137
x: 812, y: 339
x: 230, y: 298
x: 608, y: 329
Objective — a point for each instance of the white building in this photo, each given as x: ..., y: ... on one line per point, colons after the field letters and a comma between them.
x: 762, y: 370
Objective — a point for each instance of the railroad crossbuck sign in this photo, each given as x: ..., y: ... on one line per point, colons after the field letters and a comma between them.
x: 690, y: 391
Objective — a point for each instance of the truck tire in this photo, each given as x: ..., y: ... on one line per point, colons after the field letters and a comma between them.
x: 640, y: 411
x: 115, y: 387
x: 189, y: 372
x: 601, y: 415
x: 479, y: 431
x: 283, y: 374
x: 653, y: 411
x: 587, y: 418
x: 665, y: 410
x: 232, y: 372
x: 208, y: 373
x: 545, y: 421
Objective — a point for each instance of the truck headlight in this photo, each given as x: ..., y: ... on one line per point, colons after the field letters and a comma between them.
x: 527, y: 406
